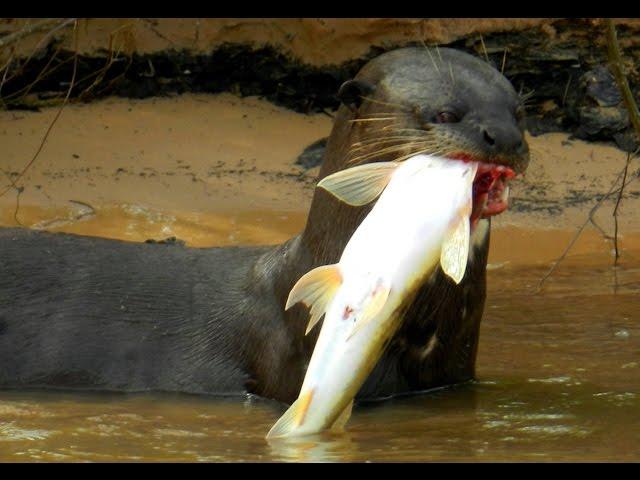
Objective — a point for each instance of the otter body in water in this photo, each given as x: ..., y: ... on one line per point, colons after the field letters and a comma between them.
x: 88, y: 313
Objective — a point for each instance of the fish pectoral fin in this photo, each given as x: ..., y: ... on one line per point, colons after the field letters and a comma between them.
x: 359, y: 185
x: 343, y: 418
x: 455, y: 250
x: 316, y: 289
x: 377, y: 302
x: 293, y: 417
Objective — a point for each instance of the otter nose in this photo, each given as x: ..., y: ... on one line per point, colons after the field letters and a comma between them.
x: 503, y: 140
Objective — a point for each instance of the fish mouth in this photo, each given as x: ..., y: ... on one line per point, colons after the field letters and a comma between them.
x: 490, y: 187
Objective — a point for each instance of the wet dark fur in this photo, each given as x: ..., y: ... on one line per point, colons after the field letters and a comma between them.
x: 89, y: 313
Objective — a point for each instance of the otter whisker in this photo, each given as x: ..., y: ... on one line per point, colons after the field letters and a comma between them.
x: 395, y: 134
x: 364, y: 152
x: 413, y: 130
x: 427, y: 151
x: 525, y: 97
x: 504, y: 60
x: 383, y: 151
x: 370, y: 141
x: 383, y: 141
x: 435, y: 65
x: 383, y: 119
x: 384, y: 114
x: 396, y: 146
x: 566, y: 90
x: 373, y: 100
x: 484, y: 49
x: 439, y: 55
x: 394, y: 127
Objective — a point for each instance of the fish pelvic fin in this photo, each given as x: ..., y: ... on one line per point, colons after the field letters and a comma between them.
x: 316, y: 289
x: 377, y: 302
x: 343, y: 418
x: 455, y: 248
x: 293, y: 417
x: 359, y: 185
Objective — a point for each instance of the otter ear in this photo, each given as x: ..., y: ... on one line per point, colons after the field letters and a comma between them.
x: 352, y: 91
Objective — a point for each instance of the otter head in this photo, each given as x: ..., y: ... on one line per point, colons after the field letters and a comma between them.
x: 444, y: 102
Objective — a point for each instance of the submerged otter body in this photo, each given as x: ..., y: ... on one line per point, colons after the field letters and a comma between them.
x: 88, y: 313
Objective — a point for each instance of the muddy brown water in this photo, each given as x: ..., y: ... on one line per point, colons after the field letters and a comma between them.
x: 558, y: 377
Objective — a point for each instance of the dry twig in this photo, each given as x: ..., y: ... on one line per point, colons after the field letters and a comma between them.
x: 617, y: 67
x: 46, y: 135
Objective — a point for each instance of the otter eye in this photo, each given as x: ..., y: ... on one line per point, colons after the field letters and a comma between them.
x: 447, y: 117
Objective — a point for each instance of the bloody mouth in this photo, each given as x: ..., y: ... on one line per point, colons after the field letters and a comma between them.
x: 490, y: 188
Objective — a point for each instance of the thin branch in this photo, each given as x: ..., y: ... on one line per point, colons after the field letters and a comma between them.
x: 579, y: 232
x: 504, y: 61
x: 35, y: 49
x: 566, y: 90
x: 4, y: 76
x: 615, y: 210
x: 28, y: 30
x: 152, y: 27
x: 64, y: 103
x: 15, y: 213
x: 615, y: 61
x: 484, y: 49
x: 45, y: 72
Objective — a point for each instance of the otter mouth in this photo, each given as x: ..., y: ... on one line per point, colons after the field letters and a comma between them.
x: 490, y: 188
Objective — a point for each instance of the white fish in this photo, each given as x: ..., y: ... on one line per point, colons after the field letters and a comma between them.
x: 421, y: 219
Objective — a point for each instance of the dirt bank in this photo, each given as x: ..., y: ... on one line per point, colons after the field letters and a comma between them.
x: 560, y: 64
x: 316, y: 41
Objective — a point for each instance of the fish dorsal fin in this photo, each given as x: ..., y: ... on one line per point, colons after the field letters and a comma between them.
x: 377, y: 302
x: 455, y: 250
x: 359, y: 185
x: 293, y: 417
x: 343, y: 418
x: 316, y: 289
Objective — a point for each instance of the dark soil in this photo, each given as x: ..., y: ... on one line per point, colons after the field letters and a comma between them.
x: 563, y: 76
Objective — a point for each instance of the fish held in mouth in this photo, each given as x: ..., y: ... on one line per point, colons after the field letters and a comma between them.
x: 422, y: 219
x: 490, y: 190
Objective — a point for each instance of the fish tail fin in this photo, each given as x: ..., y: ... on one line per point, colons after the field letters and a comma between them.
x: 316, y: 289
x: 343, y: 418
x: 293, y: 417
x: 359, y: 185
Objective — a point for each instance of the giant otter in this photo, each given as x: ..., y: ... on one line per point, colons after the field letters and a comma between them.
x: 87, y: 313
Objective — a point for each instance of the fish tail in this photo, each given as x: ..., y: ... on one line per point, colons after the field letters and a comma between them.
x: 293, y: 417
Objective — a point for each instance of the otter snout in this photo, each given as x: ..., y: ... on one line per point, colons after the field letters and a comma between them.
x: 506, y: 143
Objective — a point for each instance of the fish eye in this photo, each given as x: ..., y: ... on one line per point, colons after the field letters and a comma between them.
x: 447, y: 117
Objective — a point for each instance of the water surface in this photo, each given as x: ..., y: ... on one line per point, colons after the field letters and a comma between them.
x: 558, y: 378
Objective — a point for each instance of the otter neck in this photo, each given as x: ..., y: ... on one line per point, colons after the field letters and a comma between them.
x: 331, y: 223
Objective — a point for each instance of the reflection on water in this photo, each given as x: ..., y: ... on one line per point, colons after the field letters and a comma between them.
x: 558, y: 380
x: 137, y: 223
